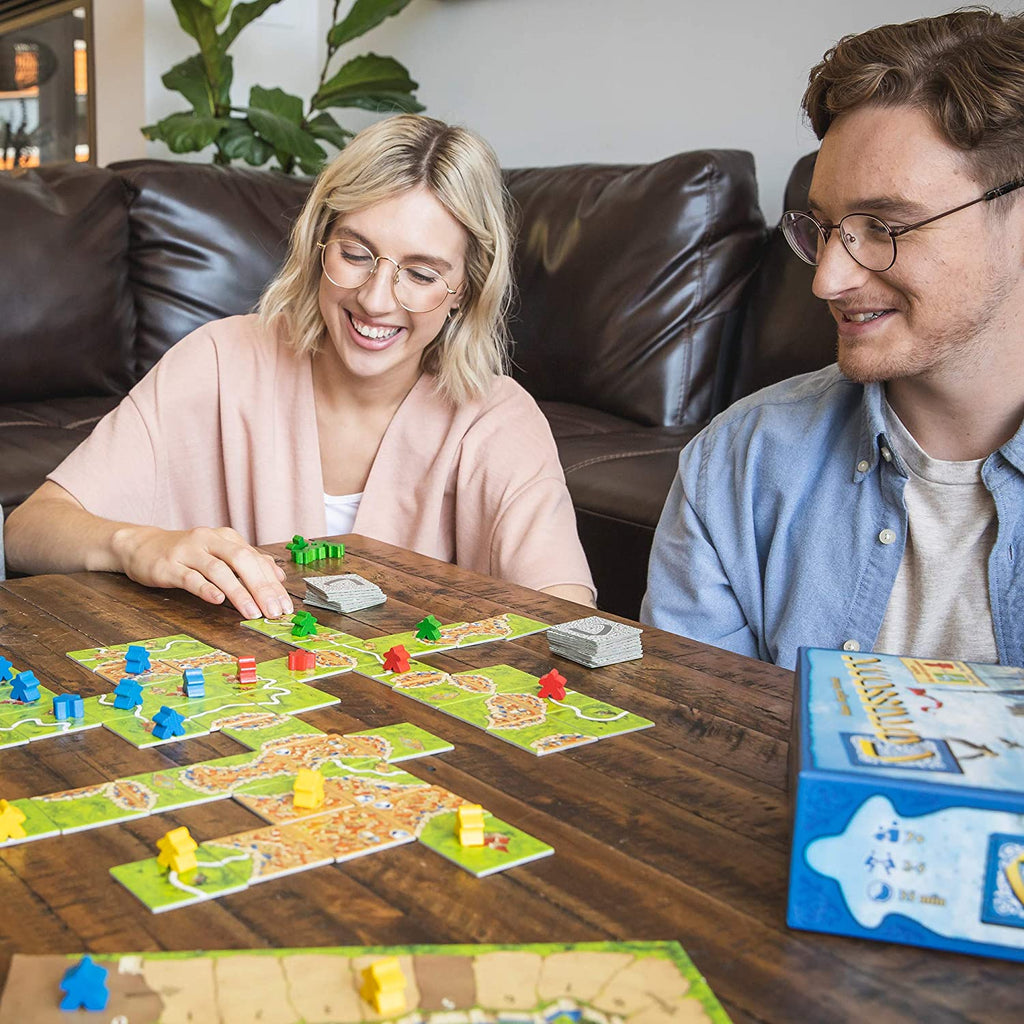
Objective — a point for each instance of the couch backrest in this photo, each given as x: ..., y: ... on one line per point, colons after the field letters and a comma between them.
x: 204, y: 242
x: 786, y: 330
x: 630, y: 281
x: 629, y: 277
x: 67, y: 317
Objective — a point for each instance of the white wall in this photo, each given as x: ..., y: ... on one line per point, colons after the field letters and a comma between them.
x: 562, y: 81
x: 118, y: 33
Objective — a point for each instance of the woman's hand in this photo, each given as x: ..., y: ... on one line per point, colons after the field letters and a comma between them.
x: 214, y: 563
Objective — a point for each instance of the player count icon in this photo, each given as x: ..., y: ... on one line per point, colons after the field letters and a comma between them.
x: 596, y: 642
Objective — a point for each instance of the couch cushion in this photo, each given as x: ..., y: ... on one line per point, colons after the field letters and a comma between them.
x: 68, y: 316
x: 629, y: 281
x: 618, y: 484
x: 786, y: 329
x: 568, y: 420
x: 36, y: 436
x: 205, y: 242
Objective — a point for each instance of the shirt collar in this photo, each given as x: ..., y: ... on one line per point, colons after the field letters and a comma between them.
x: 872, y: 436
x: 1013, y: 450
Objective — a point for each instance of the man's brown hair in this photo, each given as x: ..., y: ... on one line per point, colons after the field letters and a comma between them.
x: 965, y: 70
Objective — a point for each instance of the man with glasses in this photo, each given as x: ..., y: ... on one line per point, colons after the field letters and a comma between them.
x: 878, y: 504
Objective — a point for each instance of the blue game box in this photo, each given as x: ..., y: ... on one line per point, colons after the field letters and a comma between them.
x: 908, y: 797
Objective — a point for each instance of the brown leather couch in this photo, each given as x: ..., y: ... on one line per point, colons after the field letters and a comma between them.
x: 649, y: 298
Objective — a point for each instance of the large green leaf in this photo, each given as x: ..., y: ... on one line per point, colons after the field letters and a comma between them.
x: 241, y: 15
x: 277, y: 117
x: 285, y: 136
x: 385, y: 103
x: 198, y: 21
x: 364, y: 15
x: 239, y: 142
x: 185, y: 132
x: 189, y: 78
x: 278, y: 102
x: 323, y: 126
x: 361, y: 78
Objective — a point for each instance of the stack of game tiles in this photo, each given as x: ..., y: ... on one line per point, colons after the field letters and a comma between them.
x: 346, y: 593
x: 596, y: 642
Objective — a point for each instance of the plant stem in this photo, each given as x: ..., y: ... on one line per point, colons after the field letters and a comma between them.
x: 331, y: 51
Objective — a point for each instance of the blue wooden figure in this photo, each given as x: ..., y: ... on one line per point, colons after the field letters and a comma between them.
x: 6, y: 671
x: 194, y: 683
x: 136, y: 659
x: 68, y: 705
x: 84, y: 986
x: 167, y: 723
x: 127, y: 694
x: 25, y: 687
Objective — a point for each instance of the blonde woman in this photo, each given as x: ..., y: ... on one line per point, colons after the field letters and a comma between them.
x: 367, y: 395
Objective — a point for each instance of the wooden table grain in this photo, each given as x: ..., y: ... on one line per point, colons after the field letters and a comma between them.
x: 679, y: 832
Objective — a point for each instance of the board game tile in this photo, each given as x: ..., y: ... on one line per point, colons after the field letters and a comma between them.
x: 326, y: 638
x: 406, y: 741
x: 13, y: 710
x: 201, y: 717
x: 328, y: 663
x: 372, y: 667
x: 23, y: 723
x: 220, y: 871
x: 188, y: 785
x: 169, y: 657
x: 505, y: 846
x: 255, y: 727
x: 356, y: 832
x: 273, y: 800
x: 74, y: 810
x: 37, y: 824
x: 276, y: 850
x: 291, y: 697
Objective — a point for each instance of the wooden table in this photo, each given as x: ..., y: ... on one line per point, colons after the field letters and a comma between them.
x: 678, y: 832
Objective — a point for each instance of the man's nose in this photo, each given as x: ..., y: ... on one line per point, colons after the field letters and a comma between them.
x: 837, y: 271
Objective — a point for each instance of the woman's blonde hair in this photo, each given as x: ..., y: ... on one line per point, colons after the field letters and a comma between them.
x: 382, y: 161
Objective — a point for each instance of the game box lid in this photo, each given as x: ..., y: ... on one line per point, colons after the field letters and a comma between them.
x: 912, y: 721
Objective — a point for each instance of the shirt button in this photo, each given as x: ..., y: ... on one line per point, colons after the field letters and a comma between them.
x: 887, y: 536
x: 863, y: 466
x: 851, y: 645
x: 887, y: 455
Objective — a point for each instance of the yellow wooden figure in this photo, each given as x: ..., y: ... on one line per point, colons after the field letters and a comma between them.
x: 11, y: 818
x: 384, y: 986
x: 469, y: 825
x: 177, y: 850
x: 309, y: 789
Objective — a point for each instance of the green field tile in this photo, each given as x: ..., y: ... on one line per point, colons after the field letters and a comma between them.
x: 505, y: 845
x: 291, y: 698
x: 220, y: 872
x: 255, y: 727
x: 37, y: 824
x: 107, y: 803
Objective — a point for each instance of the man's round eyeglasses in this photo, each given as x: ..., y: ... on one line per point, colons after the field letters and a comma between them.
x: 349, y: 264
x: 868, y: 239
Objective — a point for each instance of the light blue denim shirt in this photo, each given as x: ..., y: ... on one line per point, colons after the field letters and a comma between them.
x: 786, y: 523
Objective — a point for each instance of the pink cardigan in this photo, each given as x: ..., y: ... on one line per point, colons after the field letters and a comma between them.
x: 223, y: 432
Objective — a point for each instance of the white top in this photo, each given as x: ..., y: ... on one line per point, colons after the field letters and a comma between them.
x: 940, y: 606
x: 340, y: 512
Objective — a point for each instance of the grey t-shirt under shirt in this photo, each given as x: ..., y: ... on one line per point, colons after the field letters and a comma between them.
x: 939, y: 607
